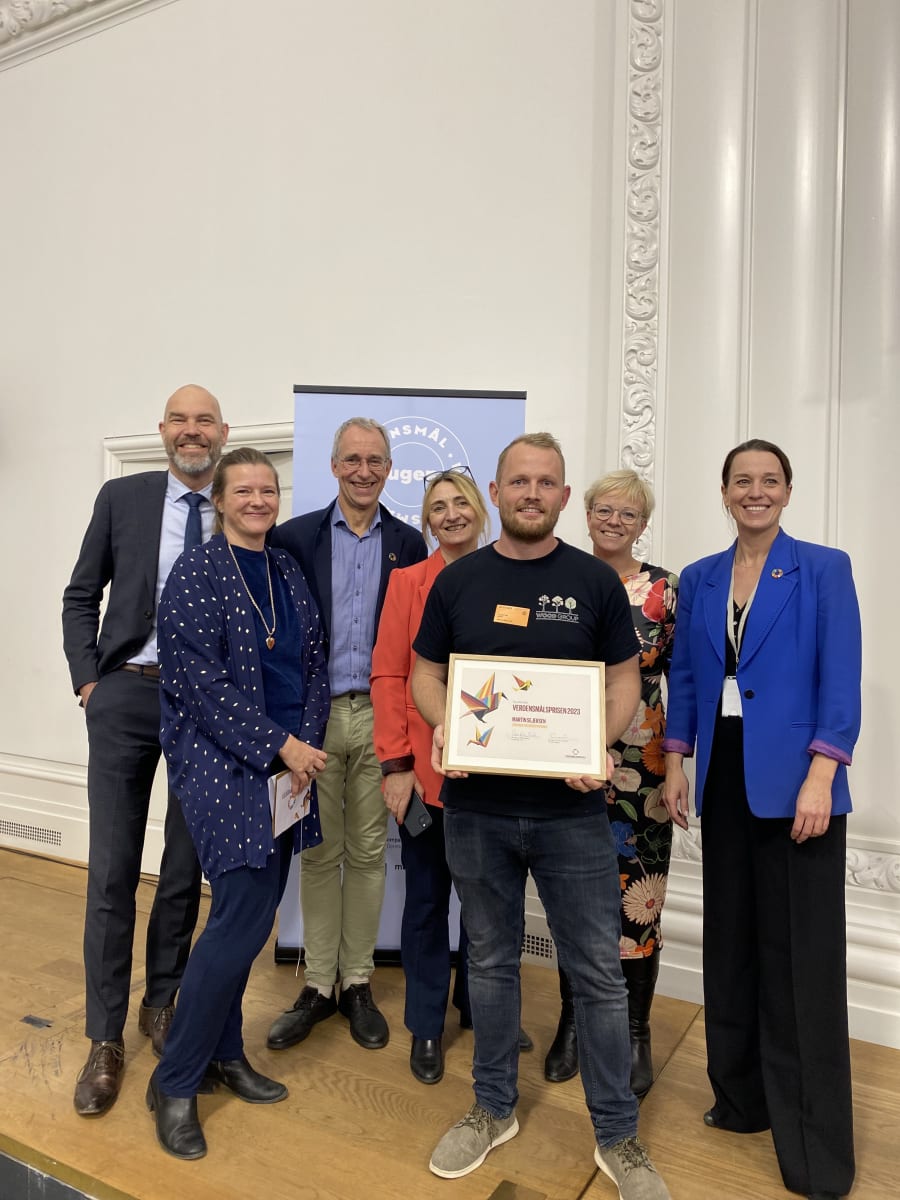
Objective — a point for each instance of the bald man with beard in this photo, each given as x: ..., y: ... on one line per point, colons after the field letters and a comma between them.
x: 140, y: 525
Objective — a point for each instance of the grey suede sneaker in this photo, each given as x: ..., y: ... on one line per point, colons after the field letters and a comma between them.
x: 466, y: 1145
x: 628, y: 1165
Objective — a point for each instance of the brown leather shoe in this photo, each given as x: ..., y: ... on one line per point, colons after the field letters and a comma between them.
x: 155, y: 1024
x: 98, y: 1084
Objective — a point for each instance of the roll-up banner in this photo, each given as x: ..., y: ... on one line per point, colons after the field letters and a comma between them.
x: 428, y: 430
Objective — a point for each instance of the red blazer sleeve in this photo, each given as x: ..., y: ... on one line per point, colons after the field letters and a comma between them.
x: 392, y: 666
x: 399, y: 730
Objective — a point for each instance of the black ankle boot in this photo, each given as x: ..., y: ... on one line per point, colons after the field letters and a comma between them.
x: 177, y: 1126
x: 561, y: 1062
x: 640, y: 979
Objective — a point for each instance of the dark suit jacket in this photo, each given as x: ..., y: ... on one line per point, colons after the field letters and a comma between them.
x: 121, y: 547
x: 799, y: 670
x: 308, y: 539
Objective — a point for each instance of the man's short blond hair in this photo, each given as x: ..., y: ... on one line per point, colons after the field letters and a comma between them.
x: 540, y: 441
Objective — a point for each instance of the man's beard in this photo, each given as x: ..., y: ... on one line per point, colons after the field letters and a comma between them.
x: 190, y: 465
x: 527, y: 531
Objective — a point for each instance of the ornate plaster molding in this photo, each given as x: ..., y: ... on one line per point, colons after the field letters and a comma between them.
x: 875, y: 871
x: 686, y: 844
x: 642, y: 236
x: 867, y: 870
x: 32, y: 27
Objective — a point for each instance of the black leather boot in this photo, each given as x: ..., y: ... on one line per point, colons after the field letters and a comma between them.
x: 177, y: 1126
x: 561, y: 1062
x: 640, y: 979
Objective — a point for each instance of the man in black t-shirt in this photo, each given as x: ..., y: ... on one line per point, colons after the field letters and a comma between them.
x: 497, y: 601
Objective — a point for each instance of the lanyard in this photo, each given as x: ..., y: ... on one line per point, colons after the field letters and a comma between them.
x: 738, y: 638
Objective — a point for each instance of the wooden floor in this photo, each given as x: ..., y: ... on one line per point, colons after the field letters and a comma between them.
x: 356, y: 1125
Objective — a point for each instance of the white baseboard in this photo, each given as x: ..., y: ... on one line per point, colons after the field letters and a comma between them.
x: 44, y: 810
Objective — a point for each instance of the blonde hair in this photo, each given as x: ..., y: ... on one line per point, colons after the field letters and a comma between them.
x: 540, y: 441
x: 470, y: 490
x: 625, y: 483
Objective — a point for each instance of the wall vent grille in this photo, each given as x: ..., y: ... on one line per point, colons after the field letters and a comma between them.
x: 30, y: 833
x: 539, y: 947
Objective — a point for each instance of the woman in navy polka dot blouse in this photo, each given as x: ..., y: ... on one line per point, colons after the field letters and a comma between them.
x: 244, y: 694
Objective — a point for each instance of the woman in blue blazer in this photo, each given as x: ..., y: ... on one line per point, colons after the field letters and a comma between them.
x: 765, y: 682
x: 243, y: 695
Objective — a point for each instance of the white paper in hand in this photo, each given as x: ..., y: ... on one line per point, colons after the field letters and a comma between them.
x: 285, y: 808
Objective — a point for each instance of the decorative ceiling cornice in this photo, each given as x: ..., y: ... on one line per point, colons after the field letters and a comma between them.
x: 32, y: 27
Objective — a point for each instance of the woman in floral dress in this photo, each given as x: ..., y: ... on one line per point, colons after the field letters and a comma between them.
x: 618, y: 508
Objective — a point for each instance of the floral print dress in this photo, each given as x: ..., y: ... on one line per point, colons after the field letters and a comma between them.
x: 637, y: 815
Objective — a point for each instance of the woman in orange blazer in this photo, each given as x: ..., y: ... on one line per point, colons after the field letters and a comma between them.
x: 454, y: 515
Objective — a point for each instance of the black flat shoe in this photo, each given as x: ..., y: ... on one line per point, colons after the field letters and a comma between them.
x: 177, y: 1125
x: 426, y: 1059
x: 293, y: 1026
x: 239, y: 1077
x: 368, y: 1027
x: 710, y: 1119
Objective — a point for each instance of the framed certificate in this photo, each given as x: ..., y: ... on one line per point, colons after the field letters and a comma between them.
x: 543, y: 717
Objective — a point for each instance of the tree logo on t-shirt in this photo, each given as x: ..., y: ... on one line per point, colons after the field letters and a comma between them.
x: 569, y: 603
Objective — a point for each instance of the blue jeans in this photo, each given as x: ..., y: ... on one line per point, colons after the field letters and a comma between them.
x: 573, y: 863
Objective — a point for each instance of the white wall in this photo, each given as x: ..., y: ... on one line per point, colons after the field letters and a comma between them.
x: 391, y: 194
x: 672, y: 222
x: 783, y: 323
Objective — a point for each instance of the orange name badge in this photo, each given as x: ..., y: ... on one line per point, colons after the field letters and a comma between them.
x: 509, y: 614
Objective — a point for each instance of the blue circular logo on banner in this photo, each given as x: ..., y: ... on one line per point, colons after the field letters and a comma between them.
x: 419, y: 445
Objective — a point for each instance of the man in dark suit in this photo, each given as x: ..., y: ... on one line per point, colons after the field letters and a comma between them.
x: 347, y: 551
x: 140, y: 525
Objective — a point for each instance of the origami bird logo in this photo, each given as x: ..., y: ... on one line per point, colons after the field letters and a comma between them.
x: 522, y: 685
x: 482, y: 737
x: 485, y: 700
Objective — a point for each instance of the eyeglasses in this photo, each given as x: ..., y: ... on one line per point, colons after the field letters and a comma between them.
x: 352, y: 462
x: 627, y: 516
x: 437, y: 476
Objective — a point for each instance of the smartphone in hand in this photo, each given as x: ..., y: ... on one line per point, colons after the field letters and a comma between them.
x: 417, y: 818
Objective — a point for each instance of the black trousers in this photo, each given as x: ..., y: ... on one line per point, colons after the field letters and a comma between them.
x: 209, y: 1020
x: 122, y: 719
x: 425, y: 933
x: 775, y: 978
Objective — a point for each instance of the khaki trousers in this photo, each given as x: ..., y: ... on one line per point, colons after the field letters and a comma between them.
x: 342, y: 880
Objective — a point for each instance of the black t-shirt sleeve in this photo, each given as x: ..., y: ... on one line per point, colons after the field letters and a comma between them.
x: 433, y: 641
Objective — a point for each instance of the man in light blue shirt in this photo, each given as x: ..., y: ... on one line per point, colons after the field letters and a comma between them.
x: 347, y: 552
x: 140, y: 525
